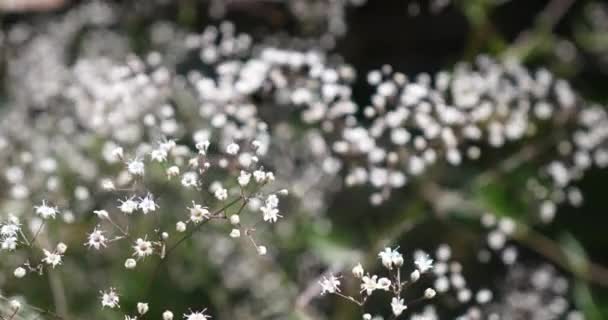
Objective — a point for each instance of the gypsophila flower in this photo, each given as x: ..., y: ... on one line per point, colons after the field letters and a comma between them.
x: 143, y: 248
x: 358, y: 271
x: 136, y: 167
x: 51, y: 258
x: 390, y: 257
x: 147, y: 204
x: 173, y: 171
x: 96, y: 239
x: 142, y: 308
x: 423, y: 262
x: 330, y: 284
x: 190, y: 179
x: 221, y: 194
x: 198, y: 315
x: 110, y: 299
x: 129, y: 205
x: 232, y: 149
x: 167, y: 315
x: 397, y: 306
x: 130, y: 263
x: 159, y: 155
x: 198, y: 213
x: 46, y: 211
x: 19, y: 272
x: 244, y: 178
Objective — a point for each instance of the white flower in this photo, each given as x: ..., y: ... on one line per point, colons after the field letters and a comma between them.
x: 429, y: 293
x: 167, y: 315
x: 101, y: 214
x: 423, y: 262
x: 198, y: 213
x: 397, y: 306
x: 147, y: 204
x: 369, y: 284
x: 259, y: 176
x: 384, y: 284
x: 232, y: 149
x: 235, y: 233
x: 51, y: 258
x: 358, y: 271
x: 15, y: 305
x: 136, y: 167
x: 19, y: 273
x: 270, y: 214
x: 190, y: 179
x: 128, y: 205
x: 142, y: 308
x: 221, y: 194
x: 199, y: 315
x: 330, y: 284
x: 173, y: 171
x: 61, y: 248
x: 118, y: 153
x: 390, y: 257
x: 130, y: 263
x: 159, y: 155
x: 96, y: 239
x: 415, y: 275
x: 262, y: 250
x: 244, y: 178
x: 110, y: 299
x: 46, y: 211
x: 180, y: 226
x: 235, y: 219
x: 143, y: 248
x: 9, y: 243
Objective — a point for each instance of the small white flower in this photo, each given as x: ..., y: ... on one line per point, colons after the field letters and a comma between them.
x: 429, y: 293
x: 198, y: 315
x: 172, y: 171
x: 232, y: 149
x: 330, y: 284
x: 397, y: 306
x: 190, y: 180
x: 96, y: 239
x: 198, y: 213
x: 221, y: 194
x: 180, y: 226
x: 15, y: 305
x: 259, y: 176
x: 384, y: 284
x: 262, y: 250
x: 159, y: 155
x: 136, y: 167
x: 110, y: 299
x: 101, y: 214
x: 369, y: 284
x: 358, y: 271
x: 61, y: 248
x: 167, y: 315
x: 423, y: 262
x: 142, y: 308
x: 130, y: 263
x: 45, y: 211
x: 244, y: 178
x: 147, y: 204
x: 19, y: 273
x: 51, y: 258
x: 415, y: 275
x: 143, y: 248
x: 118, y: 153
x: 128, y: 205
x: 9, y: 243
x: 107, y: 184
x: 235, y: 233
x: 390, y: 257
x: 235, y: 219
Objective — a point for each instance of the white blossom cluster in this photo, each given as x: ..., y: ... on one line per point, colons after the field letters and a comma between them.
x: 395, y: 283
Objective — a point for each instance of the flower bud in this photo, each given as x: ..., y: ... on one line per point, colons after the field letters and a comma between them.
x: 235, y: 219
x: 415, y: 275
x: 180, y: 227
x: 429, y: 293
x: 19, y: 273
x: 167, y: 315
x: 142, y: 308
x: 61, y: 248
x: 130, y: 263
x: 358, y: 271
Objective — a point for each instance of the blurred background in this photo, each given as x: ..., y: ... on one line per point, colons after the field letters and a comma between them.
x: 338, y: 227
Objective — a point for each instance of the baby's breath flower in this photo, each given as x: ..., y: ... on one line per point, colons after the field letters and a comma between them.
x: 221, y: 194
x: 235, y: 233
x: 143, y: 248
x: 110, y: 299
x: 19, y: 273
x: 358, y: 271
x: 198, y: 213
x: 142, y: 308
x: 198, y: 315
x: 45, y: 211
x: 232, y: 149
x: 180, y: 226
x: 147, y: 204
x: 167, y: 315
x: 136, y: 167
x: 129, y: 205
x: 330, y: 284
x: 51, y: 258
x: 130, y: 263
x: 423, y: 262
x: 397, y: 306
x: 96, y: 239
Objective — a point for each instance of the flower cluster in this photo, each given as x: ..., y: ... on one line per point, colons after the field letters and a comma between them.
x: 395, y: 283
